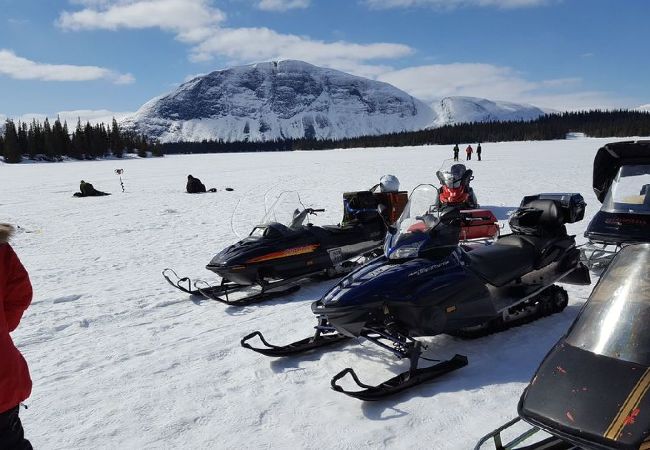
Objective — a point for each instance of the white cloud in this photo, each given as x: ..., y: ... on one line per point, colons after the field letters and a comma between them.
x: 452, y: 4
x: 199, y: 24
x: 190, y: 20
x: 20, y: 68
x: 282, y: 5
x: 260, y: 44
x: 432, y: 82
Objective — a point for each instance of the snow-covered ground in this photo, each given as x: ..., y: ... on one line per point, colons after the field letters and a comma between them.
x: 120, y: 359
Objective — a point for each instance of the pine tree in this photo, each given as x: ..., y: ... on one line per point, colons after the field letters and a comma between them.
x: 11, y: 150
x: 115, y: 140
x: 49, y: 148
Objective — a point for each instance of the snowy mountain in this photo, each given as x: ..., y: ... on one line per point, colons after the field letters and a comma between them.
x: 274, y: 100
x: 452, y: 110
x: 645, y: 108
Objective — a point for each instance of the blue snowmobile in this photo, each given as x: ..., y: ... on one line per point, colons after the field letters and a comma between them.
x: 427, y: 284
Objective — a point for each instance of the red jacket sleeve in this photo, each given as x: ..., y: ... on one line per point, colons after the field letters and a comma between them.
x: 18, y: 291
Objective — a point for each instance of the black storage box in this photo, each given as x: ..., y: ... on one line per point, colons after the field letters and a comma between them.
x: 572, y: 204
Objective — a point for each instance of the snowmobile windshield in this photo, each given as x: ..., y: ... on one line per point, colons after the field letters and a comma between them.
x: 630, y: 191
x: 451, y: 175
x: 418, y: 218
x: 614, y: 321
x: 287, y: 210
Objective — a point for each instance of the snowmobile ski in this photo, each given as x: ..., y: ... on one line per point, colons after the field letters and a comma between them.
x: 318, y: 340
x: 222, y: 293
x: 398, y: 383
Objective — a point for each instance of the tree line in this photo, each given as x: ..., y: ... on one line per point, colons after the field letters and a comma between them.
x: 52, y: 142
x: 596, y: 123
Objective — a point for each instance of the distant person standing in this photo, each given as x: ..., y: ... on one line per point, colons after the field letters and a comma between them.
x: 469, y: 150
x: 456, y: 151
x: 478, y: 151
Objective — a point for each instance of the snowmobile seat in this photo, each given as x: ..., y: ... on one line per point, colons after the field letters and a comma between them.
x: 498, y: 264
x: 547, y: 249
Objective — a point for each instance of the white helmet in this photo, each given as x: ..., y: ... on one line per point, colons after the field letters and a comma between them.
x: 389, y: 183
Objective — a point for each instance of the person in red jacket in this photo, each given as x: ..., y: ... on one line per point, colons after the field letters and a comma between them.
x: 469, y: 150
x: 15, y: 382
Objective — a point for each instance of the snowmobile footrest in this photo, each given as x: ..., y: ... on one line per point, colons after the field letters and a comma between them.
x: 301, y: 346
x: 400, y: 382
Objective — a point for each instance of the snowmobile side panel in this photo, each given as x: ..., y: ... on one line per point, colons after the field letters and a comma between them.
x: 597, y: 401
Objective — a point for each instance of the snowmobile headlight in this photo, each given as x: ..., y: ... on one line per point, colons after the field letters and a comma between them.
x: 406, y: 251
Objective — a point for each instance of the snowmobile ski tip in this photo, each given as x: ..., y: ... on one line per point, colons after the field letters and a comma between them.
x: 180, y: 282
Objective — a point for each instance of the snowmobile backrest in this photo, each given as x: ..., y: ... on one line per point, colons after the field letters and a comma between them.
x: 572, y: 205
x: 538, y: 218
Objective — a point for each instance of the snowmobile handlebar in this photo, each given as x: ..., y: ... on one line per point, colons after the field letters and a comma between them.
x: 314, y: 211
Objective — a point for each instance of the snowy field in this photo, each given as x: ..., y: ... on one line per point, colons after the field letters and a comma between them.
x: 120, y: 359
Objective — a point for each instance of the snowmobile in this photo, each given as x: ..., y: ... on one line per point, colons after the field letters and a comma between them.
x: 591, y: 390
x: 455, y: 190
x: 427, y: 284
x: 284, y: 251
x: 621, y: 181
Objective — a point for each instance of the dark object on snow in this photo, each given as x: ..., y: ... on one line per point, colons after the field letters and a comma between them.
x: 229, y: 189
x: 426, y: 284
x: 620, y: 180
x: 592, y: 389
x: 88, y: 190
x: 212, y: 190
x: 194, y: 185
x: 284, y: 251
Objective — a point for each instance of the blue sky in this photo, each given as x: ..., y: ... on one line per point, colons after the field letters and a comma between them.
x: 110, y: 56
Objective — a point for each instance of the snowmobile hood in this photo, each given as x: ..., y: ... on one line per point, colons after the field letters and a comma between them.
x: 592, y: 388
x: 257, y: 250
x: 382, y: 281
x: 611, y: 157
x: 591, y: 400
